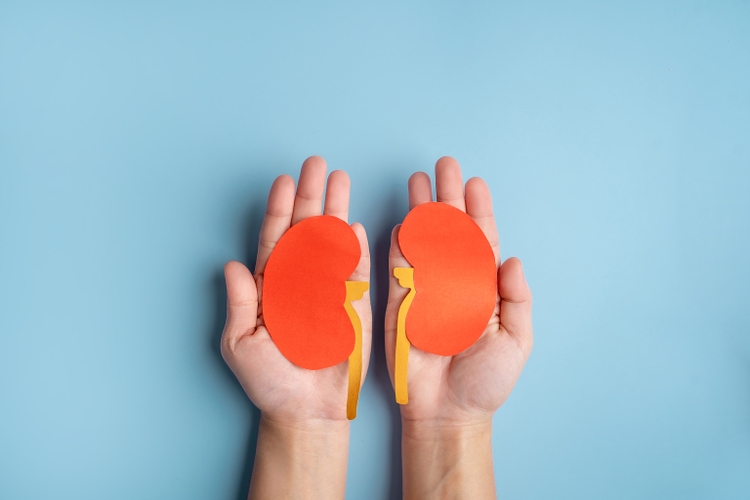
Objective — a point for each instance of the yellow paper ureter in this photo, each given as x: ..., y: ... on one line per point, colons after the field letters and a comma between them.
x: 354, y: 291
x: 405, y: 276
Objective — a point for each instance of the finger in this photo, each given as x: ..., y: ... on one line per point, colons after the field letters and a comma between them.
x: 362, y: 272
x: 515, y: 303
x: 242, y: 303
x: 277, y: 220
x: 479, y: 208
x: 448, y: 183
x: 337, y: 195
x: 309, y: 199
x: 396, y: 294
x: 420, y: 189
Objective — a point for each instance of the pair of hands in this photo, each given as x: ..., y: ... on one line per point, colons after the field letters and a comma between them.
x: 462, y: 390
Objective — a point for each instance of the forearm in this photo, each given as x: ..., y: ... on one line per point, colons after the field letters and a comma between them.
x: 447, y: 461
x: 300, y: 461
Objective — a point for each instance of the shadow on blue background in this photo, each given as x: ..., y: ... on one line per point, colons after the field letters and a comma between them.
x: 251, y: 230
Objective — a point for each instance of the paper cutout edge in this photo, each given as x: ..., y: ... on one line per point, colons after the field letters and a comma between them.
x: 405, y: 277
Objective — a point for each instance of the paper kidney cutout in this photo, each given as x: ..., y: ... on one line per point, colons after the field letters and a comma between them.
x: 453, y: 284
x: 307, y: 298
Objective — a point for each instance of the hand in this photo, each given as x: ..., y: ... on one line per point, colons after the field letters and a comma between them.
x: 303, y: 437
x: 469, y: 387
x: 284, y: 392
x: 446, y: 439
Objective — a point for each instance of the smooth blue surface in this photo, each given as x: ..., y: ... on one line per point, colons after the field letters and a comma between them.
x: 137, y: 145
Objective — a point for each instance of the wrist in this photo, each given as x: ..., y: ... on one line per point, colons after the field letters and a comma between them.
x: 461, y: 424
x: 447, y: 459
x: 307, y: 440
x: 300, y: 458
x: 454, y: 434
x: 305, y: 426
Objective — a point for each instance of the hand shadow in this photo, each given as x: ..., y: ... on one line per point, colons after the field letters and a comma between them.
x: 250, y: 228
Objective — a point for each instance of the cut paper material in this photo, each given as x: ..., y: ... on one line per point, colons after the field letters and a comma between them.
x: 454, y: 286
x: 405, y: 276
x: 307, y: 298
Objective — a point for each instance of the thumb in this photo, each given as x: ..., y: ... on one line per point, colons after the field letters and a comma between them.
x: 515, y: 303
x: 242, y: 303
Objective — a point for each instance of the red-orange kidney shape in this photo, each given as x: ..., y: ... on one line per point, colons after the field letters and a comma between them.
x: 455, y: 278
x: 304, y: 290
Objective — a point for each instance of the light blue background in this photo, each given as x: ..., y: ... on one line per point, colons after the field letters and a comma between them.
x: 137, y: 144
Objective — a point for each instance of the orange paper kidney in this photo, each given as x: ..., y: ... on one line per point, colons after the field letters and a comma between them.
x: 453, y: 282
x: 455, y: 278
x: 304, y: 292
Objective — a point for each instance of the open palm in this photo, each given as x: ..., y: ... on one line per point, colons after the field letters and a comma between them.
x: 474, y: 383
x: 280, y: 389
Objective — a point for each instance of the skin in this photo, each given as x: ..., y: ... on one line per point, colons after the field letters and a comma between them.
x: 447, y: 424
x: 446, y: 427
x: 303, y: 438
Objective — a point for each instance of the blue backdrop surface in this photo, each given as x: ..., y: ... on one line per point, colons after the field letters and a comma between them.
x: 137, y: 144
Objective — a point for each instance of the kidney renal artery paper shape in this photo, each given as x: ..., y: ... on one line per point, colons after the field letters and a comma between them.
x: 307, y: 298
x: 452, y: 285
